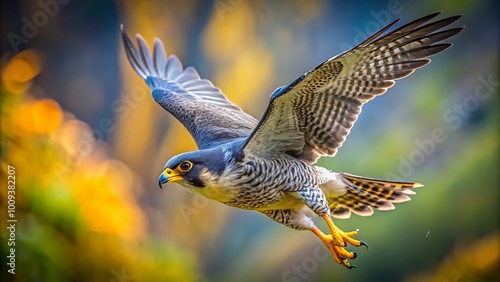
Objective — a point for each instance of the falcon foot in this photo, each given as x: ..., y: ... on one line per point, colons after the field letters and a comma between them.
x: 337, y: 241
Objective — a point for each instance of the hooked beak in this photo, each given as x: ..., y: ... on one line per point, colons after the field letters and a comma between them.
x: 162, y: 179
x: 173, y: 176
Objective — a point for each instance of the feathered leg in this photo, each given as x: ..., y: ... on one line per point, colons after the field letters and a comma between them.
x: 297, y: 220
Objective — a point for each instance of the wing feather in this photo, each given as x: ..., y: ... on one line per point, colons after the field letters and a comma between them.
x: 200, y: 106
x: 318, y: 109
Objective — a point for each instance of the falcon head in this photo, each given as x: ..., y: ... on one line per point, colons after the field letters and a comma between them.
x: 195, y: 169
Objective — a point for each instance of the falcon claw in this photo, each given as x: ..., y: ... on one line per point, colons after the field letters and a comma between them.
x: 362, y: 243
x: 337, y: 241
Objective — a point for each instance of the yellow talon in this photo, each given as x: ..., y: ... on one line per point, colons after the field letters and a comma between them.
x: 337, y: 241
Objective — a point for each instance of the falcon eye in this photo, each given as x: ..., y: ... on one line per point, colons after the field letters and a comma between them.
x: 185, y: 166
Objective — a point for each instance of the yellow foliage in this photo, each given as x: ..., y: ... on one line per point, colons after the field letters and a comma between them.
x: 477, y: 261
x: 75, y: 202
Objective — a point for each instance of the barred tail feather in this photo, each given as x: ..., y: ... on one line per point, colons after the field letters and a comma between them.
x: 365, y: 194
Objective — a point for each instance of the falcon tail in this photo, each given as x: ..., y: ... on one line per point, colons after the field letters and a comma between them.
x: 365, y: 194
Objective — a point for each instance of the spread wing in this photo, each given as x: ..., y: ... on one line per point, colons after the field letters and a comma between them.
x: 200, y: 106
x: 312, y: 116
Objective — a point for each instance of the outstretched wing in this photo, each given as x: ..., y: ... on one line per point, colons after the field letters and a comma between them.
x: 312, y: 116
x: 200, y: 106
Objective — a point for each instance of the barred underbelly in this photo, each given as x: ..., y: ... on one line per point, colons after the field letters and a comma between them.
x: 264, y: 200
x: 269, y: 184
x: 255, y: 199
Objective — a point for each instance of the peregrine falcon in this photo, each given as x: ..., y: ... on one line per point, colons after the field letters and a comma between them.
x: 269, y: 165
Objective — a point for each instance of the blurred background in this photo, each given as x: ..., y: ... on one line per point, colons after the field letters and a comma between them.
x: 87, y: 143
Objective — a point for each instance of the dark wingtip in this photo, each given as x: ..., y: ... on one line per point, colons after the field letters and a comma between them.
x: 122, y: 31
x: 452, y: 19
